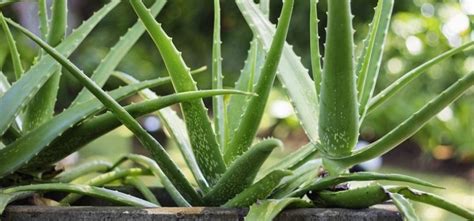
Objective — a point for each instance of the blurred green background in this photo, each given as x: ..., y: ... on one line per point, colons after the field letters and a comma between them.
x: 420, y: 30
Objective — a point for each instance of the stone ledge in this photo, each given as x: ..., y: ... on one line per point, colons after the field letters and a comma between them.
x: 384, y: 212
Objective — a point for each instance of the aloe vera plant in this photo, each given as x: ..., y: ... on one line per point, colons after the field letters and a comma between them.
x: 221, y: 152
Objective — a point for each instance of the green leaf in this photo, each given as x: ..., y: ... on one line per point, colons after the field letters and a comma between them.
x: 408, y: 127
x: 76, y: 137
x: 314, y: 44
x: 202, y: 137
x: 431, y: 199
x: 241, y: 173
x: 259, y: 190
x: 6, y: 198
x: 291, y: 72
x: 24, y: 89
x: 155, y: 169
x: 41, y: 107
x: 404, y: 206
x: 117, y: 53
x: 103, y: 179
x: 17, y: 66
x: 102, y: 193
x: 302, y: 175
x: 339, y: 117
x: 176, y: 128
x: 358, y: 198
x: 142, y: 188
x: 369, y: 63
x: 245, y: 133
x: 217, y: 77
x: 159, y: 154
x: 330, y: 181
x: 43, y: 18
x: 267, y: 210
x: 296, y: 158
x: 83, y: 169
x: 18, y: 153
x: 15, y: 130
x: 396, y: 86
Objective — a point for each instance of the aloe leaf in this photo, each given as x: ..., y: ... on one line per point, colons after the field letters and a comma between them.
x: 25, y: 88
x: 83, y: 169
x: 17, y: 66
x: 176, y: 128
x: 371, y: 58
x: 241, y: 173
x: 243, y: 136
x: 159, y: 154
x: 328, y: 182
x: 76, y: 137
x: 117, y: 53
x: 296, y: 158
x: 358, y: 198
x: 25, y: 148
x: 408, y: 127
x: 314, y: 44
x: 396, y: 86
x: 291, y: 72
x: 102, y: 193
x: 259, y: 190
x: 301, y: 176
x: 41, y: 107
x: 15, y: 130
x: 43, y: 18
x: 248, y: 75
x: 6, y: 198
x: 267, y: 210
x: 103, y: 179
x: 404, y: 206
x: 202, y: 137
x: 155, y: 169
x: 142, y: 188
x: 338, y: 119
x: 433, y: 200
x: 217, y: 77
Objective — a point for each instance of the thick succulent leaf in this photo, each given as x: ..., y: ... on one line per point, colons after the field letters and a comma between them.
x: 41, y: 107
x: 15, y: 55
x: 404, y: 206
x: 43, y: 19
x: 83, y: 169
x: 432, y: 199
x: 328, y: 182
x: 102, y: 193
x: 78, y: 136
x: 267, y: 210
x: 396, y: 86
x: 176, y: 128
x: 15, y: 130
x: 241, y: 173
x: 6, y: 198
x: 158, y: 152
x: 259, y: 190
x: 103, y: 179
x: 252, y: 116
x: 371, y: 58
x: 302, y: 175
x: 24, y: 89
x: 205, y: 145
x: 291, y: 72
x: 339, y: 117
x: 314, y: 44
x: 358, y: 198
x: 117, y: 53
x: 218, y: 109
x: 407, y: 128
x: 23, y: 149
x: 142, y: 188
x: 155, y: 169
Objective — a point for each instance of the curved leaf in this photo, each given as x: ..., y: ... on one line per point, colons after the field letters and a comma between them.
x: 267, y: 210
x: 404, y: 206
